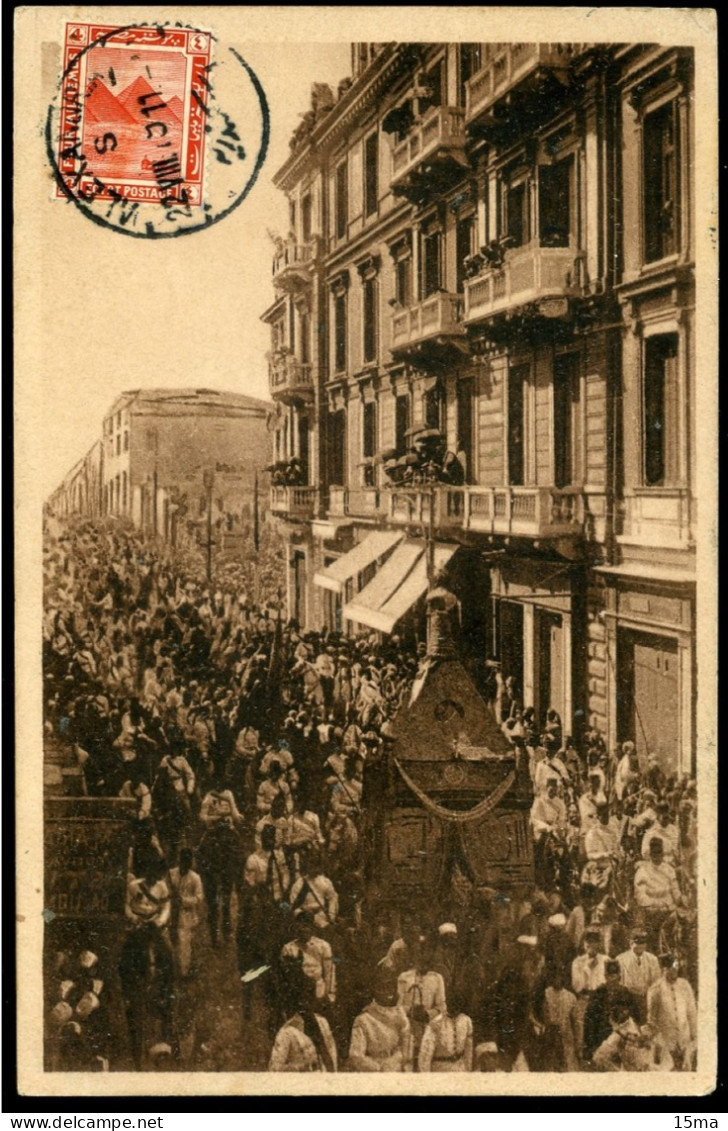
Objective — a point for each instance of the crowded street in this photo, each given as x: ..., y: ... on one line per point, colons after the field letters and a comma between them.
x: 245, y: 755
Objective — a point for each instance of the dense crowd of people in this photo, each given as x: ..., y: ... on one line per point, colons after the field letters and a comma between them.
x: 246, y: 745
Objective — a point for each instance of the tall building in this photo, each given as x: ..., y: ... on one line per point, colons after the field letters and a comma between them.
x: 165, y: 453
x: 81, y: 492
x: 491, y: 256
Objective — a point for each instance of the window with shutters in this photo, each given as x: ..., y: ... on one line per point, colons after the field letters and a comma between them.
x: 303, y: 432
x: 464, y: 239
x: 370, y: 319
x: 516, y: 425
x: 433, y: 406
x: 340, y: 333
x: 431, y: 263
x: 369, y: 430
x: 567, y: 420
x: 660, y: 182
x: 403, y: 281
x: 554, y: 204
x: 278, y: 334
x: 292, y: 215
x: 660, y: 424
x: 342, y: 202
x: 434, y: 83
x: 305, y: 334
x: 371, y: 174
x: 401, y: 423
x: 516, y: 214
x: 337, y: 448
x: 306, y: 214
x: 470, y: 64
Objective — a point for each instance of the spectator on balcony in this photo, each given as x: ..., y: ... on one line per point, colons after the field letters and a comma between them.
x: 510, y: 698
x: 295, y: 473
x: 452, y: 470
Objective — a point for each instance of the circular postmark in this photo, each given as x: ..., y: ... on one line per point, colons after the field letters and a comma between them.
x: 155, y: 131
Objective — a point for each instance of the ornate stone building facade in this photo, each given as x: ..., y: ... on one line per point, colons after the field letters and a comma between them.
x: 490, y: 264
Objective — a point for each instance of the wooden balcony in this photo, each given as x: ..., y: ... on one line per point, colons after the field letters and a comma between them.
x: 545, y: 276
x: 513, y: 66
x: 294, y: 502
x: 431, y: 155
x: 289, y: 379
x: 436, y: 320
x: 293, y: 262
x: 527, y: 512
x: 354, y: 502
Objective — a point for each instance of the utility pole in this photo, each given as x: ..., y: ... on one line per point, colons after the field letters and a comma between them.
x: 208, y: 479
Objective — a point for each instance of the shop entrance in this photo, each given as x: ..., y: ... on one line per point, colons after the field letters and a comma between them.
x: 550, y: 666
x: 647, y: 695
x: 511, y: 642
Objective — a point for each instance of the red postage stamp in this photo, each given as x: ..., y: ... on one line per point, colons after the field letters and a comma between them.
x: 134, y: 104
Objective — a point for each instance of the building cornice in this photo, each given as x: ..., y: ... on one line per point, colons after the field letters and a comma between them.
x: 365, y: 92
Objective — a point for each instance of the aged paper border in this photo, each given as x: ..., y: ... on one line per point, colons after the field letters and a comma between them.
x: 688, y: 27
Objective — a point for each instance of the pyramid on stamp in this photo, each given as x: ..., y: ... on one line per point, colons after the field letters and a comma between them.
x: 102, y: 106
x: 175, y: 105
x: 141, y: 95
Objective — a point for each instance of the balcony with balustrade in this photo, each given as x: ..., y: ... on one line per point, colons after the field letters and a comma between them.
x: 355, y: 502
x: 440, y: 506
x: 296, y: 503
x: 528, y: 512
x: 429, y: 327
x: 431, y: 156
x: 290, y: 380
x: 538, y: 282
x: 293, y: 263
x: 525, y: 512
x: 516, y: 66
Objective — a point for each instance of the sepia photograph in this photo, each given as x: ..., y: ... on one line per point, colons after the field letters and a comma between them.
x: 366, y: 475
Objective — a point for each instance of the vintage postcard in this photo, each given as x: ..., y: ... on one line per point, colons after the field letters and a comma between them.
x: 366, y: 479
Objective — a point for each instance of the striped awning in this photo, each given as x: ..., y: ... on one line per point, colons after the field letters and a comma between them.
x: 369, y: 550
x: 400, y: 582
